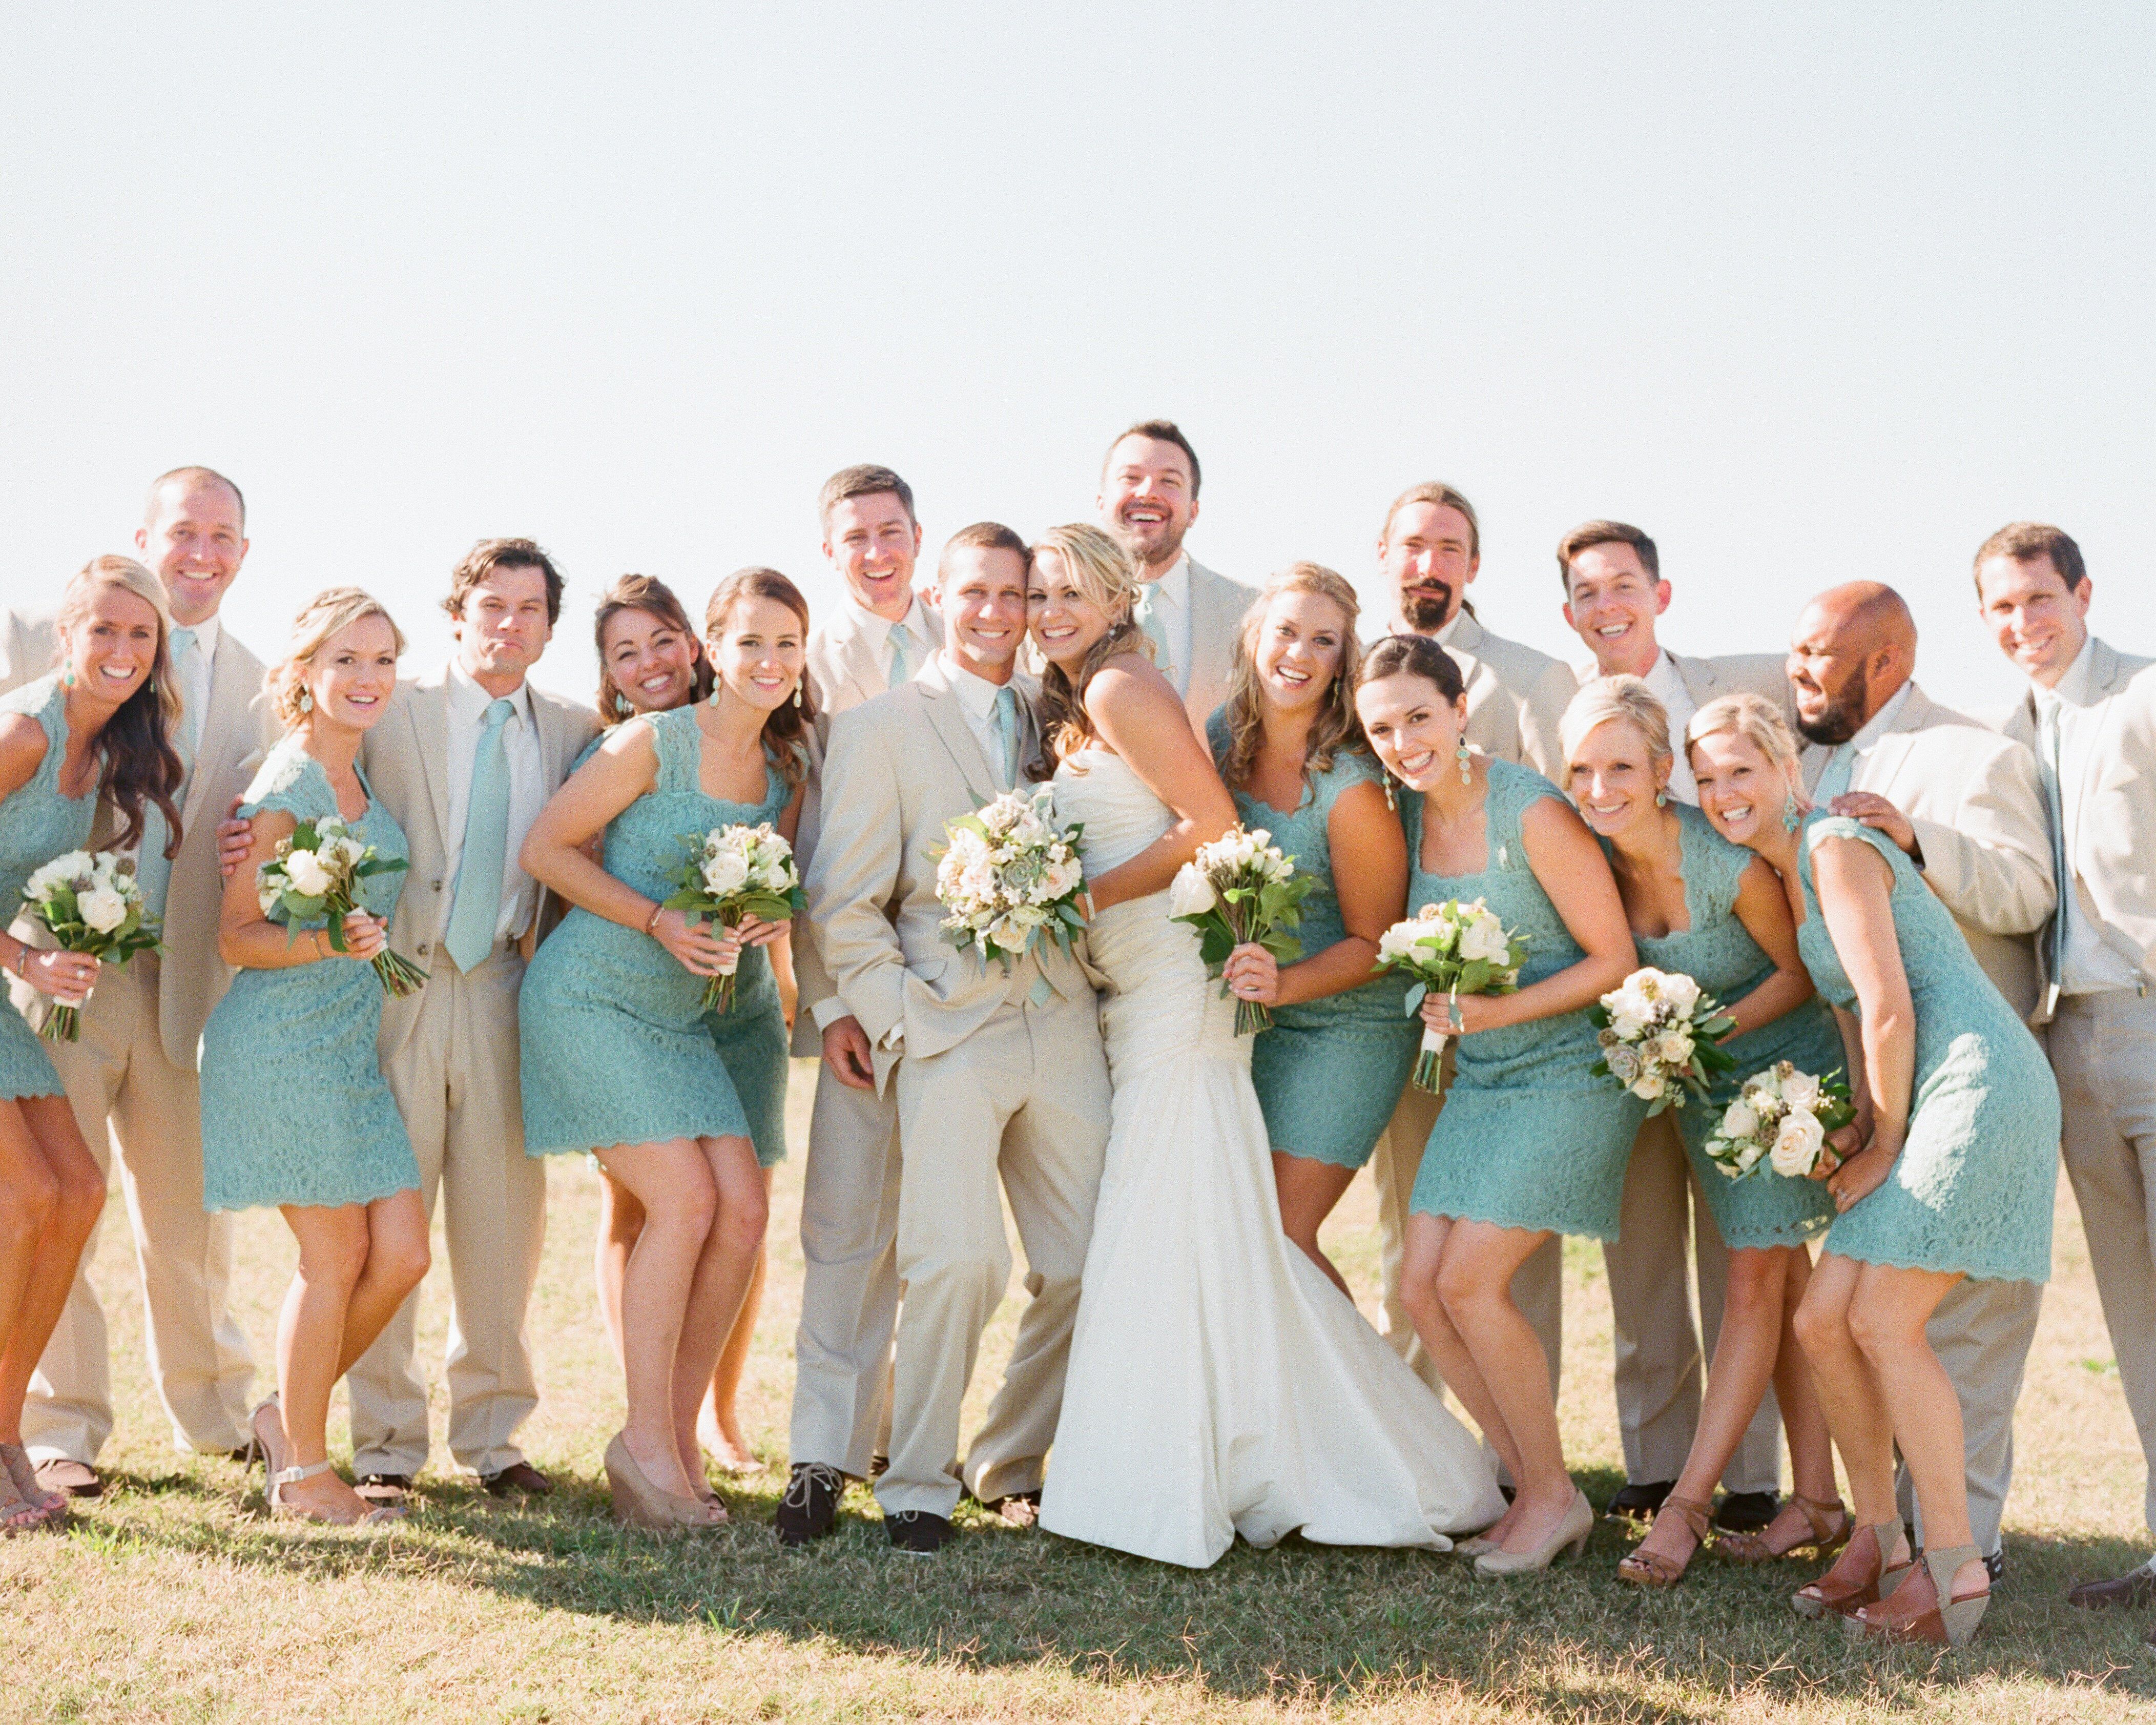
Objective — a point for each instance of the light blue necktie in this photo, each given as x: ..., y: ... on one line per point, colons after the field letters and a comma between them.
x: 1834, y: 778
x: 478, y: 904
x: 1146, y: 613
x: 2047, y: 770
x: 152, y: 868
x: 901, y: 656
x: 1006, y: 733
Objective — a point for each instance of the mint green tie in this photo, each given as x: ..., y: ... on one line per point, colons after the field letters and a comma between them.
x: 478, y: 904
x: 1006, y: 732
x: 901, y: 656
x: 1146, y: 613
x: 2047, y: 772
x: 152, y: 868
x: 1834, y: 778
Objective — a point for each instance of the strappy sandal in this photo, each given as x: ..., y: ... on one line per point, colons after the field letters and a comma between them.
x: 17, y: 1514
x: 1651, y: 1568
x: 1831, y: 1525
x: 52, y: 1507
x: 1942, y: 1620
x: 281, y: 1511
x: 1828, y: 1597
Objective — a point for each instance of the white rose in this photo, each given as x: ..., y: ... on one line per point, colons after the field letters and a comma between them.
x: 1484, y: 938
x: 1748, y: 1158
x: 1190, y: 893
x: 305, y: 870
x: 1008, y: 934
x: 1682, y: 991
x: 724, y: 873
x: 1628, y: 1026
x: 1674, y: 1047
x: 1797, y: 1145
x: 1648, y: 1087
x: 102, y: 909
x: 1800, y: 1089
x: 1739, y: 1120
x: 1398, y: 940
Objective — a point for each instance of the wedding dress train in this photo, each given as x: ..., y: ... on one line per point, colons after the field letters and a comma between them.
x: 1218, y: 1383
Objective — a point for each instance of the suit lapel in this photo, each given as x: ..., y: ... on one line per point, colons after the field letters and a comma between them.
x: 427, y: 710
x: 940, y: 702
x: 1698, y: 677
x: 553, y: 742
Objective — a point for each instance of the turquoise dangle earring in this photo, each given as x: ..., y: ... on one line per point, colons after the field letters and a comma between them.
x: 1465, y: 759
x: 621, y: 703
x: 1792, y: 816
x: 1391, y: 801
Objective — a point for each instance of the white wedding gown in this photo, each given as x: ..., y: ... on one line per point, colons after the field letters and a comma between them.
x: 1219, y: 1383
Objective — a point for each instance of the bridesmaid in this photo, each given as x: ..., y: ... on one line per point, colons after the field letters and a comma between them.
x: 103, y: 721
x: 1287, y: 746
x: 1957, y: 1119
x: 619, y: 988
x: 1713, y: 911
x: 296, y: 1111
x: 1528, y: 1144
x: 650, y: 661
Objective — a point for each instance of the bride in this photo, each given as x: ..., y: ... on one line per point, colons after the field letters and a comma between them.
x: 1219, y: 1383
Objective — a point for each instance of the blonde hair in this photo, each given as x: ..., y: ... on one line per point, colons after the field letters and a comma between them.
x: 333, y: 610
x: 1622, y: 699
x: 1102, y: 571
x: 140, y: 767
x: 1335, y: 727
x: 1760, y: 723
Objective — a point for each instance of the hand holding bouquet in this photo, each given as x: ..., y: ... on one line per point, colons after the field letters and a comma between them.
x: 316, y: 873
x: 1660, y: 1037
x: 1241, y: 890
x: 734, y: 873
x: 1461, y: 948
x: 1009, y: 874
x: 1781, y: 1117
x: 91, y: 905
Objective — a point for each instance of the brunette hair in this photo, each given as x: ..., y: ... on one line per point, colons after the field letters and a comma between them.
x: 786, y: 728
x: 490, y: 555
x: 1414, y: 656
x: 1626, y: 700
x: 1161, y: 431
x: 140, y: 766
x: 330, y: 612
x: 1442, y: 496
x: 864, y: 479
x: 1335, y: 727
x: 1591, y: 533
x: 2024, y: 541
x: 1102, y: 571
x: 653, y: 597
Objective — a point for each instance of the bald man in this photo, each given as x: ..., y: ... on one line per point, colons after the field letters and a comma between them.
x: 1966, y: 805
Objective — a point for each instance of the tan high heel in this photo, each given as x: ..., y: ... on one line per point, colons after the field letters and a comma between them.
x: 1651, y: 1569
x: 1945, y: 1621
x: 52, y: 1507
x: 1845, y: 1599
x: 1831, y: 1525
x: 639, y: 1503
x: 1574, y: 1531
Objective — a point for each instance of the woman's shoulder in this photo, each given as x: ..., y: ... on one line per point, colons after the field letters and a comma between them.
x: 1821, y: 829
x: 41, y: 698
x: 290, y: 780
x: 1514, y: 789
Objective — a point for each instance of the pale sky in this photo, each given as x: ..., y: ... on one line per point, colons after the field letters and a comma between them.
x: 1811, y: 293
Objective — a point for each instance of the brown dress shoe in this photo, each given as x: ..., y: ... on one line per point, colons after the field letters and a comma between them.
x: 78, y: 1479
x: 385, y: 1491
x: 2138, y: 1588
x: 520, y: 1479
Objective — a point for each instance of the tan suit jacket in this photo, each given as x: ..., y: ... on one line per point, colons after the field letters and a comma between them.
x: 2115, y: 847
x: 28, y: 645
x: 899, y: 768
x: 1217, y: 609
x: 1705, y: 679
x: 845, y: 669
x: 1515, y: 697
x: 1976, y: 805
x: 406, y: 758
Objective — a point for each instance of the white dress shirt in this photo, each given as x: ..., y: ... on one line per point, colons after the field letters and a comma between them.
x: 976, y: 701
x: 1858, y: 747
x: 527, y: 788
x: 2092, y: 961
x: 1171, y: 604
x: 876, y: 630
x: 1669, y: 689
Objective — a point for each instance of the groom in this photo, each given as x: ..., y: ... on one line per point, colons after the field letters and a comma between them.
x: 995, y: 1073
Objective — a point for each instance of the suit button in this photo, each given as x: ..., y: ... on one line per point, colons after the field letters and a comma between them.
x: 438, y: 886
x: 423, y: 949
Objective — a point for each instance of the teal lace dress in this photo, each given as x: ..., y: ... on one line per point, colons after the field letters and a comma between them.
x: 37, y: 823
x: 1329, y: 1072
x: 295, y: 1109
x: 1528, y: 1137
x: 1971, y: 1191
x: 1765, y: 1209
x: 616, y: 1048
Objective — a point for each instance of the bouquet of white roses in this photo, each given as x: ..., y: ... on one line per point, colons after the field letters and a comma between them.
x: 93, y: 905
x: 316, y: 873
x: 1781, y: 1117
x: 1239, y: 890
x: 1461, y: 948
x: 1010, y: 875
x: 735, y: 872
x: 1660, y: 1036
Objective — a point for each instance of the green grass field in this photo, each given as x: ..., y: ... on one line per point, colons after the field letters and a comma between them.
x: 174, y: 1598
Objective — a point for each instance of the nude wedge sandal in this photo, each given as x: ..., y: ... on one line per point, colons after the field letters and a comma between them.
x: 1827, y: 1597
x: 1947, y: 1621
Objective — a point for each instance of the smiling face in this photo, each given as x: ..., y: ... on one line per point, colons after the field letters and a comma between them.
x: 651, y: 662
x: 1612, y: 778
x: 1064, y: 623
x: 760, y: 651
x: 1425, y: 554
x: 1829, y: 676
x: 980, y: 591
x: 1413, y: 729
x: 1148, y: 501
x: 1612, y: 604
x: 195, y: 541
x: 112, y: 647
x: 1301, y: 640
x: 352, y: 675
x: 1742, y: 792
x: 504, y: 627
x: 872, y: 543
x: 2038, y: 623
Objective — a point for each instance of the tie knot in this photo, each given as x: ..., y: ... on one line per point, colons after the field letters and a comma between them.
x: 498, y: 711
x: 1006, y: 702
x: 182, y: 641
x: 901, y: 635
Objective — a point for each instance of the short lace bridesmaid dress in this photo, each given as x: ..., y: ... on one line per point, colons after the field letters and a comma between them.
x: 37, y: 823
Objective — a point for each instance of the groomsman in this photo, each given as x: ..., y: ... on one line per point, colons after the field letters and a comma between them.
x: 1430, y: 550
x: 465, y: 761
x: 1614, y: 593
x: 879, y: 638
x: 2090, y: 714
x: 131, y: 1077
x: 1966, y: 804
x: 994, y: 1074
x: 1148, y: 501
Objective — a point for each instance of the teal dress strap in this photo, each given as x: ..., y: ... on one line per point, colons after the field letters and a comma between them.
x: 291, y: 781
x: 680, y: 745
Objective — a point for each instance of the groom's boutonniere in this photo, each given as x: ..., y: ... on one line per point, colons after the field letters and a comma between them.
x: 1241, y: 890
x: 1010, y: 876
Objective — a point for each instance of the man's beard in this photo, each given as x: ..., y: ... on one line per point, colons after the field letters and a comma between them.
x: 1162, y: 555
x: 1843, y: 715
x: 1424, y: 611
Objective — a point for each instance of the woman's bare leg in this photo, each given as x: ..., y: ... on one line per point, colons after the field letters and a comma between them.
x: 311, y: 1353
x: 723, y: 1273
x: 62, y: 1194
x: 1423, y: 1250
x: 621, y: 1219
x: 719, y: 1424
x: 1309, y: 1190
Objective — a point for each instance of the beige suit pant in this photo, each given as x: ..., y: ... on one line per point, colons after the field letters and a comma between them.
x: 1657, y: 1341
x: 455, y: 1080
x: 850, y: 1193
x: 129, y: 1098
x: 2103, y: 1049
x: 1026, y: 1097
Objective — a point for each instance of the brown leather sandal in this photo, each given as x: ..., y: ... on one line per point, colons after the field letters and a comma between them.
x: 1651, y: 1568
x: 1923, y: 1611
x: 1845, y: 1597
x: 1831, y: 1525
